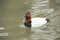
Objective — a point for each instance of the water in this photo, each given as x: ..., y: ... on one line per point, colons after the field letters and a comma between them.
x: 12, y: 14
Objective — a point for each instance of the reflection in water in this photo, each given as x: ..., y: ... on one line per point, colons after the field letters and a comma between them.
x: 44, y: 34
x: 57, y: 38
x: 4, y: 38
x: 26, y: 33
x: 38, y: 34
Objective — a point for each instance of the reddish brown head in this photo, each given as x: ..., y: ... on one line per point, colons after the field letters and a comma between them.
x: 27, y: 17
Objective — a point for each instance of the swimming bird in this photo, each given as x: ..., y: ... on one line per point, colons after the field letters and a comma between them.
x: 34, y: 22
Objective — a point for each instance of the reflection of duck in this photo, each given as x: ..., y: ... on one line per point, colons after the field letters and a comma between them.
x: 34, y: 22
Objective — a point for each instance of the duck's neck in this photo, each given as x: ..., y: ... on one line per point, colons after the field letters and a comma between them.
x: 27, y: 20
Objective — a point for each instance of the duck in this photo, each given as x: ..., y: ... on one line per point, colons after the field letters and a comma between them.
x: 34, y: 22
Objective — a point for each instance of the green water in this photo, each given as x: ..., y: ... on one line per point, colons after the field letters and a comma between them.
x: 12, y: 13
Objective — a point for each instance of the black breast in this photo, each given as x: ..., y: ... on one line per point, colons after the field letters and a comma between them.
x: 28, y: 24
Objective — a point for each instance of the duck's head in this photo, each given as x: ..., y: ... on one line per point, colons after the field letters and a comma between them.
x: 27, y: 19
x: 28, y: 16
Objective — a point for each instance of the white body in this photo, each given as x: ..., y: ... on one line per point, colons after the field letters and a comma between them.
x: 37, y: 22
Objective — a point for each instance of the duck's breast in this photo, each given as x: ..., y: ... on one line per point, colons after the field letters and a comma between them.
x: 37, y: 22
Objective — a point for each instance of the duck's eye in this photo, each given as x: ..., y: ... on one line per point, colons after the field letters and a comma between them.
x: 26, y: 17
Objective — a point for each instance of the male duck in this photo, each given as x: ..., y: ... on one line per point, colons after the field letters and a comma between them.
x: 34, y: 22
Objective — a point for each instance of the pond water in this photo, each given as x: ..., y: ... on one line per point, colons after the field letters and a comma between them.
x: 12, y: 15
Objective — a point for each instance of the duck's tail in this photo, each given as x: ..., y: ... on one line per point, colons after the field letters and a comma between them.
x: 47, y: 20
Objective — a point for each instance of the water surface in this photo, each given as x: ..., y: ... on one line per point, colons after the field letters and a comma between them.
x: 12, y: 14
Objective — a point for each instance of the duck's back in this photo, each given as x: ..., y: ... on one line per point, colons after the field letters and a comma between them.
x: 37, y: 22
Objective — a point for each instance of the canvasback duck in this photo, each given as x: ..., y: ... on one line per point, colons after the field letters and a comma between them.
x: 34, y: 22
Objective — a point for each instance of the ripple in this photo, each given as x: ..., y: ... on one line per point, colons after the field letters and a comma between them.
x: 3, y: 34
